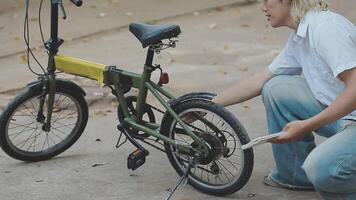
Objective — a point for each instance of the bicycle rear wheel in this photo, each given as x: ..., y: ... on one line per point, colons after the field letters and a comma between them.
x: 21, y: 124
x: 227, y: 167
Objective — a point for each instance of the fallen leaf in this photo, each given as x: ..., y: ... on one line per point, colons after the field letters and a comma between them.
x: 172, y: 60
x: 38, y: 48
x: 114, y: 1
x: 222, y: 71
x: 103, y: 14
x: 1, y: 27
x: 17, y: 38
x: 237, y: 12
x: 34, y: 19
x: 134, y: 175
x: 98, y: 164
x: 129, y: 13
x: 196, y: 13
x: 242, y: 68
x: 250, y: 195
x: 245, y: 25
x: 100, y: 112
x: 246, y: 106
x: 93, y: 6
x: 23, y: 59
x: 219, y: 9
x: 226, y: 47
x: 213, y: 26
x: 262, y: 38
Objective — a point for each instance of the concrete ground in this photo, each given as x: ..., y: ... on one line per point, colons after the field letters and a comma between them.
x: 221, y: 42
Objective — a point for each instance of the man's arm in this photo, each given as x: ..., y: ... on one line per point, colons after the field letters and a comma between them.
x: 246, y: 89
x: 344, y: 104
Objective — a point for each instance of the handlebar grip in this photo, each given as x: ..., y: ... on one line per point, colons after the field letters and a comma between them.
x: 78, y: 3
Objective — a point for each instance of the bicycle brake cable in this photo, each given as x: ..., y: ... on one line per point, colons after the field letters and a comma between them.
x: 27, y: 41
x: 40, y: 23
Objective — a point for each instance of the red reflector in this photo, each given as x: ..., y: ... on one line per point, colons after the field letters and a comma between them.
x: 164, y: 79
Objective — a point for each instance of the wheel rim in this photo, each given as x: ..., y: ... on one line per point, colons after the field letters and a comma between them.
x: 25, y: 135
x: 230, y: 168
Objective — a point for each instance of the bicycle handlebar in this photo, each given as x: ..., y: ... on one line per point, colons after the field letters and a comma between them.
x: 78, y: 3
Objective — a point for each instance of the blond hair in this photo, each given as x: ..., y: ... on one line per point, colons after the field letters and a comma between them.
x: 301, y: 7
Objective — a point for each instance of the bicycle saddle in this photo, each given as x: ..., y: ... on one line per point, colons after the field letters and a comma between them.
x: 153, y: 34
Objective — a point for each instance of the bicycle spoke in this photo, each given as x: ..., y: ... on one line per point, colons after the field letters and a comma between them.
x: 31, y: 113
x: 231, y: 162
x: 25, y: 125
x: 63, y: 125
x: 60, y: 139
x: 31, y: 128
x: 66, y: 107
x: 33, y: 143
x: 69, y: 114
x: 219, y: 164
x: 25, y: 141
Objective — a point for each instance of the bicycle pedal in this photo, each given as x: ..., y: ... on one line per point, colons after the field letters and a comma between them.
x: 136, y: 159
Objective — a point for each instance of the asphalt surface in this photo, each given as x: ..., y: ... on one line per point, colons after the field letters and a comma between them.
x: 221, y: 43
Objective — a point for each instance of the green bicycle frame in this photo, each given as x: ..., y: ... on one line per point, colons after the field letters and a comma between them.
x: 122, y: 79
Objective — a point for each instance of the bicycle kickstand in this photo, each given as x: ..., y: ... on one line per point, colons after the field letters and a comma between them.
x: 184, y: 178
x: 122, y: 130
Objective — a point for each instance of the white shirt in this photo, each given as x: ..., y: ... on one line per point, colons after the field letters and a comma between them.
x: 323, y: 47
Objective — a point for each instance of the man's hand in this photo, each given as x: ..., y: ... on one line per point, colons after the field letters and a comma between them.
x: 293, y: 131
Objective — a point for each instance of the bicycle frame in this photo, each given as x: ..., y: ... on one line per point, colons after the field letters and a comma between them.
x: 118, y: 78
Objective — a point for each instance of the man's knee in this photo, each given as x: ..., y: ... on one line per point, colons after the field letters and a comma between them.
x: 316, y: 174
x: 274, y: 87
x: 335, y: 175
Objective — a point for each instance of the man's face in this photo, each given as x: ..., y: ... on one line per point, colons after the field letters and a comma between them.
x: 277, y: 12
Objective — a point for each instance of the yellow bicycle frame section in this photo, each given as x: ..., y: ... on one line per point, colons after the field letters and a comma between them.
x: 80, y: 67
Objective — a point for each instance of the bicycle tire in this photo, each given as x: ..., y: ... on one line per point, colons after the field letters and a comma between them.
x: 75, y: 108
x: 237, y: 131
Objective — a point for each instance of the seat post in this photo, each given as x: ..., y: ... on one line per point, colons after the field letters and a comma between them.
x: 149, y: 57
x: 146, y: 77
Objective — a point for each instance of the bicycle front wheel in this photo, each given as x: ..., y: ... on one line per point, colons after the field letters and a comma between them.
x: 22, y: 135
x: 227, y: 168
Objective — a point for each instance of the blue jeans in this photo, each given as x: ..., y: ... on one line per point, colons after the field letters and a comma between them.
x: 329, y: 167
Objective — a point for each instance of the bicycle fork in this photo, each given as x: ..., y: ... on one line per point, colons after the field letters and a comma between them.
x: 49, y: 88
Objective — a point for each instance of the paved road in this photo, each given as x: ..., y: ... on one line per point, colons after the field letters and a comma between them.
x: 217, y: 48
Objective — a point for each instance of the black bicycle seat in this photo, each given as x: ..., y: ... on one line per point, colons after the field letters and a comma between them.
x: 153, y: 34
